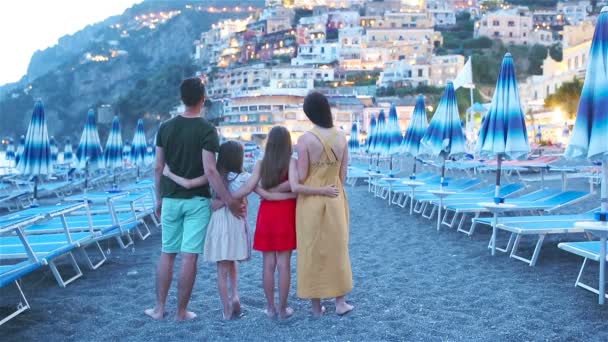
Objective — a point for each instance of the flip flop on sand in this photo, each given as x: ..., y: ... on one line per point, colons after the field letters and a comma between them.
x: 154, y: 315
x: 288, y: 313
x: 345, y: 310
x: 270, y: 314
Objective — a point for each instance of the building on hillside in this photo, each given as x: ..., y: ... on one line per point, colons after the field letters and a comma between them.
x: 435, y: 71
x: 542, y: 37
x: 317, y: 54
x: 310, y: 4
x: 547, y: 19
x: 576, y: 45
x: 512, y: 26
x: 443, y: 13
x: 574, y: 12
x: 444, y: 68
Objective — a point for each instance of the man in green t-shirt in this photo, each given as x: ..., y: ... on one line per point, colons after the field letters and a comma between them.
x: 187, y: 144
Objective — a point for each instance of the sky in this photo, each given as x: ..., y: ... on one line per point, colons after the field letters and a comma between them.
x: 30, y: 25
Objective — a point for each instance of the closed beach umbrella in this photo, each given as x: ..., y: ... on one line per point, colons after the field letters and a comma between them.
x: 54, y: 150
x: 415, y: 131
x: 369, y: 142
x: 68, y: 155
x: 379, y: 138
x: 36, y: 158
x: 112, y: 154
x: 444, y: 138
x: 392, y: 137
x: 589, y: 138
x: 89, y: 154
x: 139, y: 146
x: 503, y: 133
x: 10, y: 152
x: 20, y: 147
x: 353, y: 141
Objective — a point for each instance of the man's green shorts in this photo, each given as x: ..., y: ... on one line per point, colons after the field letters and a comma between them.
x: 184, y: 223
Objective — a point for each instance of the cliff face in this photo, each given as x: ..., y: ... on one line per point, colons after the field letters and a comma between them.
x: 135, y: 68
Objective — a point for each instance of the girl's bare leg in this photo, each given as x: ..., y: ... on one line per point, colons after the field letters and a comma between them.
x: 342, y: 307
x: 223, y: 269
x: 233, y: 274
x: 317, y: 309
x: 270, y: 264
x: 284, y: 266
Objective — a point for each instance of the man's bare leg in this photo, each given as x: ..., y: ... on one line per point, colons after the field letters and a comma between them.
x: 164, y: 275
x: 187, y: 275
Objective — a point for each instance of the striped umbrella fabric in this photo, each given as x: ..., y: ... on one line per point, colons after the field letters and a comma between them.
x: 68, y: 155
x: 20, y: 148
x: 444, y: 137
x: 353, y: 141
x: 10, y: 152
x: 112, y: 155
x: 89, y: 149
x: 36, y: 159
x: 503, y: 133
x: 416, y: 129
x: 393, y: 136
x: 126, y: 151
x: 138, y: 145
x: 54, y: 150
x: 379, y: 140
x: 371, y: 135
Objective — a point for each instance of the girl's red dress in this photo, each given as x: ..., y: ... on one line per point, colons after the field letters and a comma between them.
x: 275, y: 229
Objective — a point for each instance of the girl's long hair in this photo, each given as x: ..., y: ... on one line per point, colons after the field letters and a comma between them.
x: 230, y: 158
x: 275, y: 164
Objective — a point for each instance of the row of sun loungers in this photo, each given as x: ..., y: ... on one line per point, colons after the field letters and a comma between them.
x: 536, y: 219
x: 38, y: 237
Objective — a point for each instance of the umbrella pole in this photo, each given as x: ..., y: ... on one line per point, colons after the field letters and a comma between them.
x: 441, y: 195
x: 497, y: 200
x: 35, y: 202
x: 390, y: 172
x: 413, y: 176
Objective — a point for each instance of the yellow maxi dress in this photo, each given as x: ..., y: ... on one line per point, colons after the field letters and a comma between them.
x: 323, y: 262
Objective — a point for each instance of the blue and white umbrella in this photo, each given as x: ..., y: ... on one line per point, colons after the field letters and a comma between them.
x: 89, y: 154
x: 415, y: 131
x: 54, y: 150
x: 369, y: 142
x: 36, y: 158
x: 20, y: 148
x: 503, y: 134
x: 392, y: 137
x: 379, y: 146
x: 353, y: 140
x: 112, y: 155
x: 139, y: 146
x: 589, y: 139
x: 10, y: 152
x: 444, y: 138
x: 68, y: 155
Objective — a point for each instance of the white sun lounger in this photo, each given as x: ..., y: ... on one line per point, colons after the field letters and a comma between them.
x: 589, y: 250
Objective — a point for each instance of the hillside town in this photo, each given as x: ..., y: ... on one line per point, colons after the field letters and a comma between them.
x: 260, y: 68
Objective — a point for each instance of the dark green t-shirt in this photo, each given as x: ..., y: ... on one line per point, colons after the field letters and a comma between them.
x: 183, y: 141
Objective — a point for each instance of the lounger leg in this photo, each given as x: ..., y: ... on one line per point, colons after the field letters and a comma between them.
x: 506, y: 249
x: 57, y: 275
x: 122, y: 244
x: 582, y: 285
x: 445, y: 219
x: 146, y: 233
x: 22, y: 305
x: 539, y: 245
x: 88, y: 259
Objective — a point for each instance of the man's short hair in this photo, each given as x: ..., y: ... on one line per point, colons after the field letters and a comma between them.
x: 192, y: 91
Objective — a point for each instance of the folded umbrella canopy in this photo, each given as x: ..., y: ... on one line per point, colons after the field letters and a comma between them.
x: 139, y: 147
x: 415, y: 131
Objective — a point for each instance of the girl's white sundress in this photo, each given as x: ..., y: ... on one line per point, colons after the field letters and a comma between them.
x: 228, y: 236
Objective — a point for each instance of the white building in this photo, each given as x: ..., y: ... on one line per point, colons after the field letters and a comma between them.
x: 512, y: 26
x: 574, y: 11
x: 442, y: 12
x: 317, y: 54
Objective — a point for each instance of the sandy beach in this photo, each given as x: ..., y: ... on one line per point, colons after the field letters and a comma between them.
x: 411, y: 283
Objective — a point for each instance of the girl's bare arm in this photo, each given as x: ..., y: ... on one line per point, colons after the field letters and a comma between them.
x: 251, y: 184
x: 185, y: 182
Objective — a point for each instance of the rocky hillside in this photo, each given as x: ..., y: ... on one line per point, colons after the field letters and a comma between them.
x: 133, y: 62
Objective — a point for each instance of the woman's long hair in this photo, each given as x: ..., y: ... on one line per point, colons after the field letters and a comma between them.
x: 275, y: 164
x: 230, y: 158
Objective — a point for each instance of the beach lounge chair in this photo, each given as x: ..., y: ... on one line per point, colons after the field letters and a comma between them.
x: 541, y: 201
x: 589, y: 250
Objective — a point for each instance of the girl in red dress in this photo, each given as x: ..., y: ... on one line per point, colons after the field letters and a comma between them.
x: 275, y: 232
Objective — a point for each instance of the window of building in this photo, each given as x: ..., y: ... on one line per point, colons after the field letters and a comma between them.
x: 576, y: 61
x: 420, y: 72
x: 510, y: 34
x: 322, y: 49
x: 495, y: 23
x: 524, y: 34
x: 496, y: 34
x: 511, y: 23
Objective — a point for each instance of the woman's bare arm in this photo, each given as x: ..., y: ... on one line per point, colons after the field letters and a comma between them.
x: 185, y: 182
x: 296, y: 187
x: 344, y: 165
x: 283, y: 187
x: 274, y: 196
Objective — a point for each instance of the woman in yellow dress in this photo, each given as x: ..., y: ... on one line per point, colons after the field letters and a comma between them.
x: 323, y: 262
